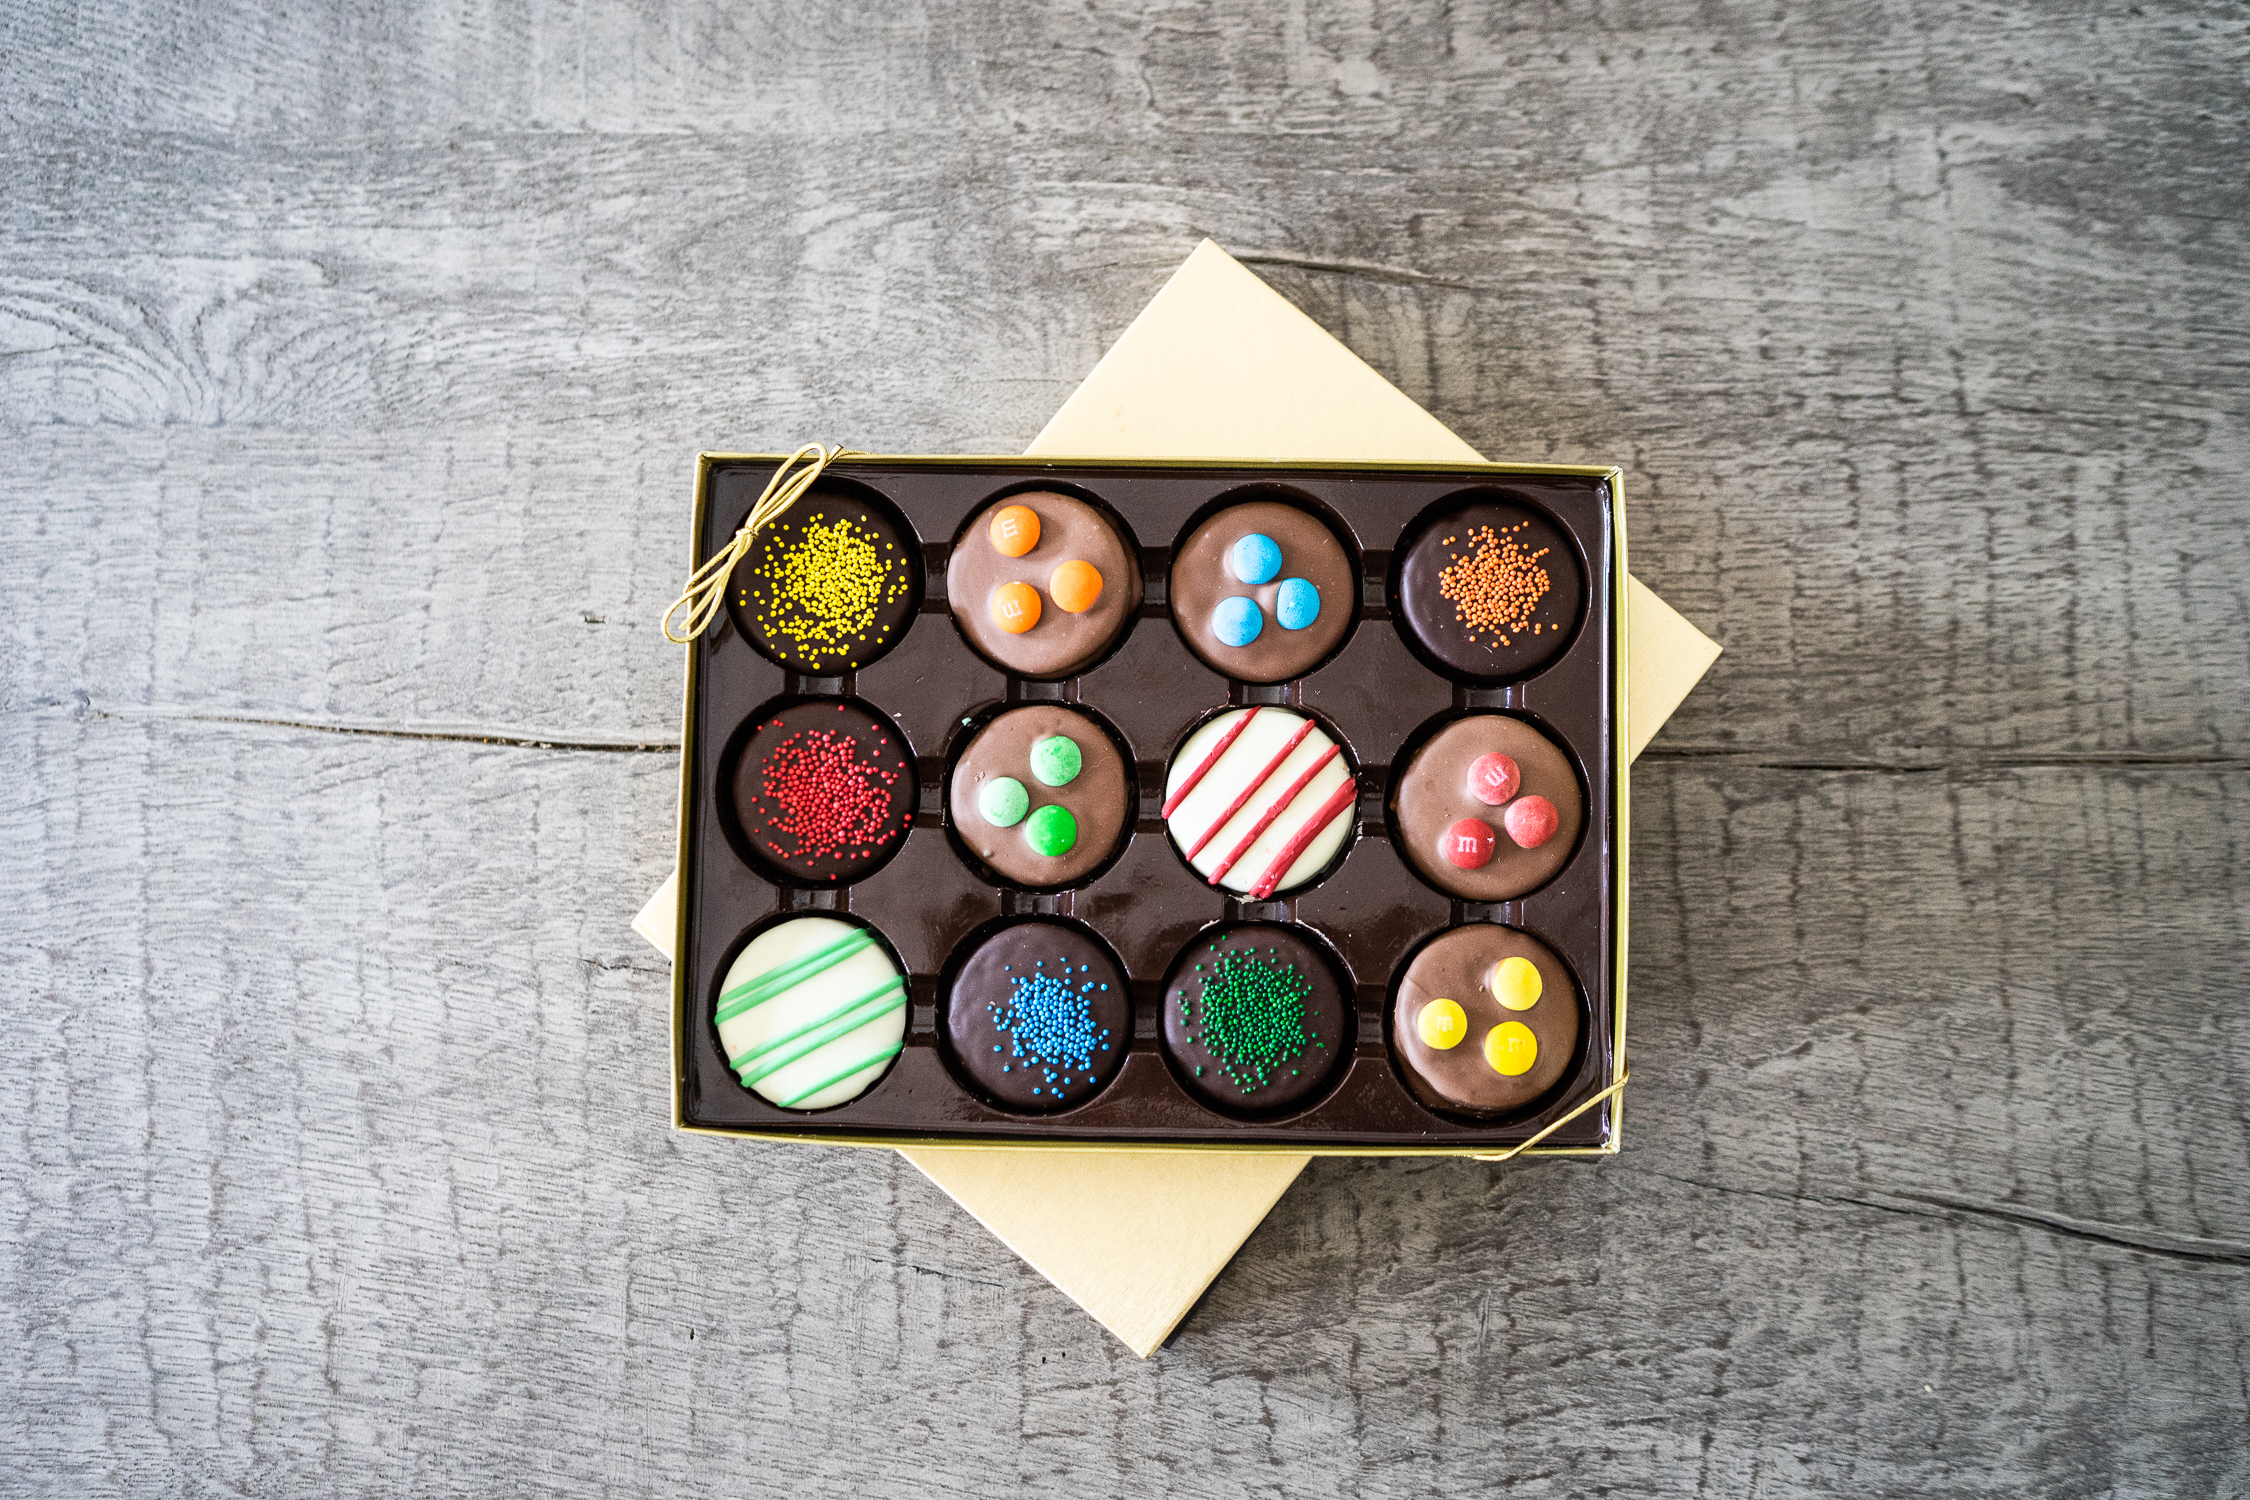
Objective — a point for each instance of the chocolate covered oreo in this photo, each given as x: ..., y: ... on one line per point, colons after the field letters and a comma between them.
x: 1043, y: 583
x: 1040, y: 796
x: 1263, y: 591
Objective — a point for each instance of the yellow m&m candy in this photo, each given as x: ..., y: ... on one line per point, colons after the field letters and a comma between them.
x: 1516, y: 984
x: 1510, y: 1048
x: 1075, y: 586
x: 1441, y: 1024
x: 1015, y: 607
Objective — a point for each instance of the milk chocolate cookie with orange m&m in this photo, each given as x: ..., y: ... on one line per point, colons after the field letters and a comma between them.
x: 1486, y: 1020
x: 1042, y: 583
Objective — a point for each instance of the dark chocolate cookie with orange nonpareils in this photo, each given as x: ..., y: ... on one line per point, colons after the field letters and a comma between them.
x: 1043, y: 583
x: 1491, y: 590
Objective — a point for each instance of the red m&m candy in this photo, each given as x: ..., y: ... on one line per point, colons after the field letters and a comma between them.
x: 1468, y: 843
x: 1531, y: 821
x: 1493, y: 778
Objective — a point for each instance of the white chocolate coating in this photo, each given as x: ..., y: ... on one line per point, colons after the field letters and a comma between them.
x: 1290, y: 781
x: 811, y: 1012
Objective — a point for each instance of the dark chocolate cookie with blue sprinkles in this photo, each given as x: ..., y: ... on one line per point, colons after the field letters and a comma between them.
x: 1038, y: 1016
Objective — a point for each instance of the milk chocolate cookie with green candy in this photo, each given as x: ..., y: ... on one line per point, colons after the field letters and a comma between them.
x: 1042, y: 583
x: 827, y: 588
x: 1262, y: 591
x: 812, y: 1012
x: 1486, y: 1020
x: 1489, y: 808
x: 1255, y: 1018
x: 1040, y: 795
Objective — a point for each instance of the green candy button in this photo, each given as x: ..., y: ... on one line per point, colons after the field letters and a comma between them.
x: 1052, y: 831
x: 1003, y: 801
x: 1055, y: 760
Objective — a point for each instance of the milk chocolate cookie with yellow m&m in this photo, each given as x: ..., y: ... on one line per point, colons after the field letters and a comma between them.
x: 1486, y: 1020
x: 1042, y: 583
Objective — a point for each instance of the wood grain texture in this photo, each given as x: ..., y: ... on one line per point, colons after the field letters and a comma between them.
x: 352, y: 361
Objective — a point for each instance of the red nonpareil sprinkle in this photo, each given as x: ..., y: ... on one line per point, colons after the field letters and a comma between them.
x: 826, y: 796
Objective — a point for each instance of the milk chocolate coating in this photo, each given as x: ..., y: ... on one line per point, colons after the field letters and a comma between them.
x: 1101, y: 796
x: 773, y: 823
x: 1309, y: 550
x: 760, y: 611
x: 1434, y: 794
x: 1289, y: 1081
x: 1009, y: 1065
x: 1487, y: 654
x: 1061, y: 644
x: 1457, y: 966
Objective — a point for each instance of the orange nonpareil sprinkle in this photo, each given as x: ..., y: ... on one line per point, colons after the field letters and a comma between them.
x: 1495, y: 587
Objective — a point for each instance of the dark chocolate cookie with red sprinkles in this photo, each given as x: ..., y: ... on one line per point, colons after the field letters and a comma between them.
x: 825, y: 791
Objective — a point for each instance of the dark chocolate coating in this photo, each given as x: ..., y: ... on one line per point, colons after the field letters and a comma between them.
x: 1457, y: 966
x: 1101, y: 796
x: 1433, y: 795
x: 1061, y: 644
x: 1309, y: 550
x: 1287, y: 1081
x: 1489, y: 654
x: 762, y: 610
x: 882, y: 789
x: 1008, y: 1062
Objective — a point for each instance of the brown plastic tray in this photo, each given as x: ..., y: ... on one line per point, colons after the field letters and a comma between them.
x: 1375, y: 693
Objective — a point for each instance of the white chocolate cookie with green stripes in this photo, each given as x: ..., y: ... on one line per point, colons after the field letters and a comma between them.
x: 812, y: 1012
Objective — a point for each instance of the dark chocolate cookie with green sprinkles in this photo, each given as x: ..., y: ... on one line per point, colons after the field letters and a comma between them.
x: 1256, y: 1018
x: 828, y: 587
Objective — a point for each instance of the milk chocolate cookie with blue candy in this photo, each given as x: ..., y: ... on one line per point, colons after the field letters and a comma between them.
x: 1263, y: 591
x: 1040, y: 796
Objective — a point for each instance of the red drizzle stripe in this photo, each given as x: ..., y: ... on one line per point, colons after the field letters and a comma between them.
x: 1345, y: 796
x: 1275, y: 811
x: 1252, y: 789
x: 1225, y: 740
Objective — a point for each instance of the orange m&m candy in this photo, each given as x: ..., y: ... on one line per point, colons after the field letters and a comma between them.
x: 1015, y: 607
x: 1075, y: 586
x: 1015, y: 531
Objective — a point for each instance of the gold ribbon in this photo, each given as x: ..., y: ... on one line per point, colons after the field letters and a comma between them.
x: 706, y: 590
x: 1609, y: 1093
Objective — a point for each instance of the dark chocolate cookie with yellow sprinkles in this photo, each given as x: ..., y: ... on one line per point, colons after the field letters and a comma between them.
x: 829, y: 587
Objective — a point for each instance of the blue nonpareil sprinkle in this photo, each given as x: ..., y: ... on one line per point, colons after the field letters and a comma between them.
x: 1049, y: 1022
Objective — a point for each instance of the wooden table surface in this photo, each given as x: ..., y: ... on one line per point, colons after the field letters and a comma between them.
x: 352, y: 363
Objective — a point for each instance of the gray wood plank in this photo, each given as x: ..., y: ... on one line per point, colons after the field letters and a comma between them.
x: 352, y: 360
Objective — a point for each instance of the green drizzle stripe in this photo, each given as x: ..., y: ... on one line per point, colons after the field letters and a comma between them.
x: 863, y: 1012
x: 759, y: 988
x: 881, y: 991
x: 879, y: 1058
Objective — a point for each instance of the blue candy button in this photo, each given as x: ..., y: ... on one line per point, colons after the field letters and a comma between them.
x: 1297, y: 605
x: 1255, y: 559
x: 1237, y: 621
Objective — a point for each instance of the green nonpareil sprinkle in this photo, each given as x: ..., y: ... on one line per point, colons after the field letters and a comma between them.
x: 1253, y: 1016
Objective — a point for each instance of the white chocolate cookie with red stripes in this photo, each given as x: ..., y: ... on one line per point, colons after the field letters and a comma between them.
x: 1260, y: 801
